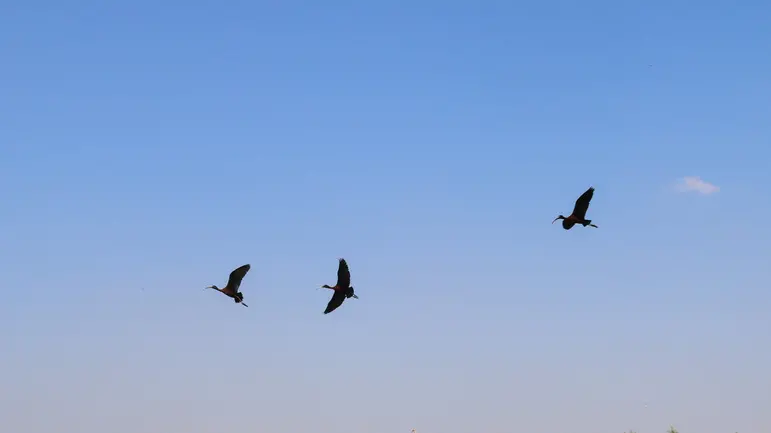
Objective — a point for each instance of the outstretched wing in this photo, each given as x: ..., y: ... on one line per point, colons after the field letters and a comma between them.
x: 582, y: 204
x: 234, y: 282
x: 336, y: 301
x: 343, y: 275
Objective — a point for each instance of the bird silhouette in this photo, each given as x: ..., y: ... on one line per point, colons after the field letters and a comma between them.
x: 234, y: 282
x: 579, y: 212
x: 342, y: 289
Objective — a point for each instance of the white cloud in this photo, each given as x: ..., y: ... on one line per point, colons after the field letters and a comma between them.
x: 695, y: 184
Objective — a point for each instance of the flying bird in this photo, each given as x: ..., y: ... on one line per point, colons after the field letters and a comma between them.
x: 234, y: 282
x: 579, y: 212
x: 342, y: 289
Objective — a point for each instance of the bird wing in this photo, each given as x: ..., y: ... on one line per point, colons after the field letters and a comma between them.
x: 234, y: 282
x: 582, y: 204
x: 343, y: 275
x: 336, y: 301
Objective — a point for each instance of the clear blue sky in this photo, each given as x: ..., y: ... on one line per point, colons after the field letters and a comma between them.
x: 159, y: 145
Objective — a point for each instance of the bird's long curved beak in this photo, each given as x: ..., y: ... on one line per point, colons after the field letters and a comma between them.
x: 555, y: 219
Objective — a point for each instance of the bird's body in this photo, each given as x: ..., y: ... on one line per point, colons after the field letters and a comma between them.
x: 342, y: 289
x: 579, y: 212
x: 234, y: 283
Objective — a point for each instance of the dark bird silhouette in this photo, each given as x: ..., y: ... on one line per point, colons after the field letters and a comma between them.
x: 234, y: 282
x: 579, y: 212
x: 343, y: 288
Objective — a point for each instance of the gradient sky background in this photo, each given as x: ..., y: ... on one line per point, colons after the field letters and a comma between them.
x: 159, y: 145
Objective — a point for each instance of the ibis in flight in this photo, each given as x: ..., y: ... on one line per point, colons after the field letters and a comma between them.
x: 234, y: 282
x: 579, y: 212
x: 342, y: 289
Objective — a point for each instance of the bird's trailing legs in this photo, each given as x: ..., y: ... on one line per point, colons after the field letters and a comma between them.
x: 240, y: 299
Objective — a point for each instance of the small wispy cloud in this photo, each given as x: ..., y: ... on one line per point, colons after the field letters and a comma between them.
x: 695, y: 184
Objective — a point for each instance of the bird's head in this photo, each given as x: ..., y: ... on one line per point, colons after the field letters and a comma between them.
x: 212, y: 287
x: 558, y: 218
x: 325, y: 287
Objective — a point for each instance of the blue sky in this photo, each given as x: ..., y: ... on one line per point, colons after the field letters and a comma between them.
x: 149, y: 148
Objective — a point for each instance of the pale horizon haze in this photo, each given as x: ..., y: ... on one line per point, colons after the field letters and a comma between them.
x: 147, y: 149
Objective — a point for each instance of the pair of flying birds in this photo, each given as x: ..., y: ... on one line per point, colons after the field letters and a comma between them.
x: 343, y: 288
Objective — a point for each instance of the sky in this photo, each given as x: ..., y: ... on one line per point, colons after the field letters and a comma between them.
x: 149, y: 148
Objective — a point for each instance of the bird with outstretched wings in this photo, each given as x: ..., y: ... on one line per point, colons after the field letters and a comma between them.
x: 342, y: 289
